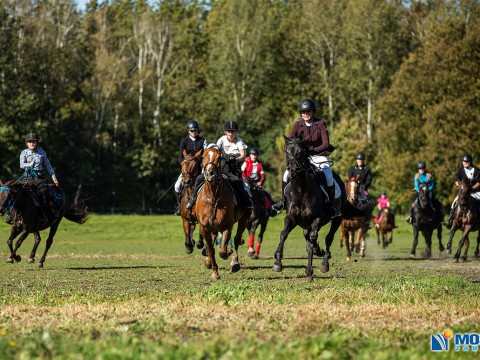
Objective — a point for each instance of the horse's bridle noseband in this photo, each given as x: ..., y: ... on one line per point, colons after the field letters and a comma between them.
x: 302, y: 164
x: 191, y: 174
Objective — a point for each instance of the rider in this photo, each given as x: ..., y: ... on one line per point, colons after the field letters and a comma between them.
x: 35, y: 162
x: 191, y: 144
x: 422, y: 176
x: 467, y: 172
x: 233, y: 151
x: 317, y: 143
x: 365, y: 175
x: 253, y: 169
x: 383, y: 202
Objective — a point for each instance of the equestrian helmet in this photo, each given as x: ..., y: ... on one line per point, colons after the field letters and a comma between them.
x: 31, y: 137
x: 230, y: 126
x: 467, y: 158
x: 307, y: 104
x: 254, y: 151
x: 383, y: 193
x: 360, y: 156
x: 193, y: 125
x: 422, y: 165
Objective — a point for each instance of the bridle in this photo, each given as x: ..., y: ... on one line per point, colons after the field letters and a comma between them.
x: 423, y: 195
x: 463, y: 194
x: 189, y: 176
x: 301, y: 165
x: 352, y: 190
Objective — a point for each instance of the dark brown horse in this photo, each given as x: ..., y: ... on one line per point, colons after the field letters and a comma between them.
x: 466, y: 218
x: 190, y: 171
x: 425, y: 219
x: 216, y: 211
x: 20, y: 197
x: 356, y: 226
x: 259, y: 216
x: 385, y: 227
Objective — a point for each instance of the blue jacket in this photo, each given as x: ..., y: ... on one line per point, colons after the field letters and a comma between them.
x: 423, y: 178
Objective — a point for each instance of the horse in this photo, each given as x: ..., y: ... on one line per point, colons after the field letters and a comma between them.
x: 357, y: 226
x: 466, y: 218
x: 306, y: 206
x: 190, y: 171
x: 216, y: 211
x: 20, y: 197
x: 259, y: 216
x: 385, y: 227
x: 425, y: 219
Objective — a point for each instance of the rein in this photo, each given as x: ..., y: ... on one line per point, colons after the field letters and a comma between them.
x: 11, y: 203
x: 215, y: 192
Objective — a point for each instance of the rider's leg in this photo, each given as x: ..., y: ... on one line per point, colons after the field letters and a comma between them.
x: 243, y: 193
x: 334, y: 203
x: 198, y: 183
x: 178, y: 193
x: 449, y: 222
x: 280, y: 204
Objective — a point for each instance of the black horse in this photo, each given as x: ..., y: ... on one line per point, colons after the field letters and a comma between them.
x: 28, y: 217
x: 467, y: 218
x: 426, y: 217
x: 306, y: 206
x: 259, y: 216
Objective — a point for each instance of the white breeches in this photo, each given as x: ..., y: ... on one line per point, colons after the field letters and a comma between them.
x: 178, y: 184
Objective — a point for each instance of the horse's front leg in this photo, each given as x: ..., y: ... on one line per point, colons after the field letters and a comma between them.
x: 223, y: 253
x: 450, y: 238
x: 263, y: 227
x: 13, y: 254
x: 251, y: 238
x: 31, y: 259
x: 242, y: 224
x: 288, y: 226
x: 467, y: 245
x: 349, y: 247
x: 334, y: 225
x: 415, y: 241
x: 210, y: 262
x: 427, y: 234
x: 466, y: 231
x: 13, y: 234
x: 309, y: 269
x: 439, y: 237
x: 187, y: 230
x: 359, y: 235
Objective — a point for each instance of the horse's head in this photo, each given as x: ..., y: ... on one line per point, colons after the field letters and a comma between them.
x: 295, y: 155
x: 5, y: 196
x: 211, y: 165
x: 251, y: 183
x: 423, y: 197
x: 463, y: 192
x: 190, y: 168
x: 353, y: 187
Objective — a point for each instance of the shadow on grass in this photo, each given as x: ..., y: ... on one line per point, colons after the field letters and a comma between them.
x: 419, y: 258
x: 115, y: 267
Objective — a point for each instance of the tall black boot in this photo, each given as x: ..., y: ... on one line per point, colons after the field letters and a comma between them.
x: 178, y: 195
x: 198, y: 183
x: 334, y: 203
x: 244, y: 194
x: 280, y: 204
x: 448, y: 224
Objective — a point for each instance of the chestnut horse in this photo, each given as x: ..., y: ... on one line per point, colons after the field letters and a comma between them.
x: 20, y: 197
x: 466, y: 218
x: 259, y: 216
x: 190, y: 171
x: 356, y: 226
x: 385, y: 227
x: 216, y: 212
x: 425, y: 219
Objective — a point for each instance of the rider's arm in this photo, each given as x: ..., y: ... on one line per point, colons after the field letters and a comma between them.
x: 242, y: 155
x: 325, y: 140
x: 23, y: 160
x: 368, y: 179
x: 182, y: 147
x: 416, y: 183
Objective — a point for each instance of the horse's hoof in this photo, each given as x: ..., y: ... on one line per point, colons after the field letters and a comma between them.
x: 204, y: 252
x: 324, y: 268
x: 449, y: 251
x: 235, y: 268
x: 426, y: 255
x: 309, y: 278
x: 456, y: 260
x: 442, y: 249
x: 277, y: 267
x: 200, y: 245
x: 464, y: 258
x: 229, y: 251
x: 413, y: 256
x: 348, y: 258
x: 251, y: 253
x: 242, y: 242
x: 31, y: 260
x: 18, y: 258
x: 255, y: 257
x: 188, y: 249
x: 9, y: 261
x: 40, y: 265
x: 215, y: 277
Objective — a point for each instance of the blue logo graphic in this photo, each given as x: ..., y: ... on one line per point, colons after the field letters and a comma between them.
x: 439, y: 342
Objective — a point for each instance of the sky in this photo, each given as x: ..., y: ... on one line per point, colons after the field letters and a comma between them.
x: 81, y: 4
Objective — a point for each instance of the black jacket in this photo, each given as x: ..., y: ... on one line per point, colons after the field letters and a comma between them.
x: 365, y: 175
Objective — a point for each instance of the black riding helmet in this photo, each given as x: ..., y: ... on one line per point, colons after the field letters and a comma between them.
x: 193, y: 125
x: 422, y: 165
x: 254, y: 151
x: 360, y: 156
x: 307, y: 104
x: 31, y: 136
x: 383, y: 193
x: 467, y: 158
x: 230, y: 126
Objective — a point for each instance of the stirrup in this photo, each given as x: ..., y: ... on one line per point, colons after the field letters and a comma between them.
x: 177, y: 210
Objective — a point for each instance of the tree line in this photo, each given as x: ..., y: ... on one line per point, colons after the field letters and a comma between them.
x: 110, y: 89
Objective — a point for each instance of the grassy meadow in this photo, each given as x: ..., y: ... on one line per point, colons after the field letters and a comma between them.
x: 122, y: 287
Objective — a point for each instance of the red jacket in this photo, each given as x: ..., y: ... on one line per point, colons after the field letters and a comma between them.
x: 249, y: 168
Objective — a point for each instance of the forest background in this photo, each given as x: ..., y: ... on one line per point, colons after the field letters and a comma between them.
x: 110, y: 89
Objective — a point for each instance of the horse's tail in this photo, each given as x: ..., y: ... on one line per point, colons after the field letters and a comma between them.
x: 77, y: 213
x: 349, y: 211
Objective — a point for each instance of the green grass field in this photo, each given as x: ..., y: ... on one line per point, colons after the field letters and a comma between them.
x: 122, y: 287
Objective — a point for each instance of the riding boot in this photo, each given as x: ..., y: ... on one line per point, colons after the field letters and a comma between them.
x: 280, y: 204
x: 178, y: 196
x: 192, y: 201
x: 198, y: 183
x: 334, y: 203
x: 246, y: 195
x: 448, y: 224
